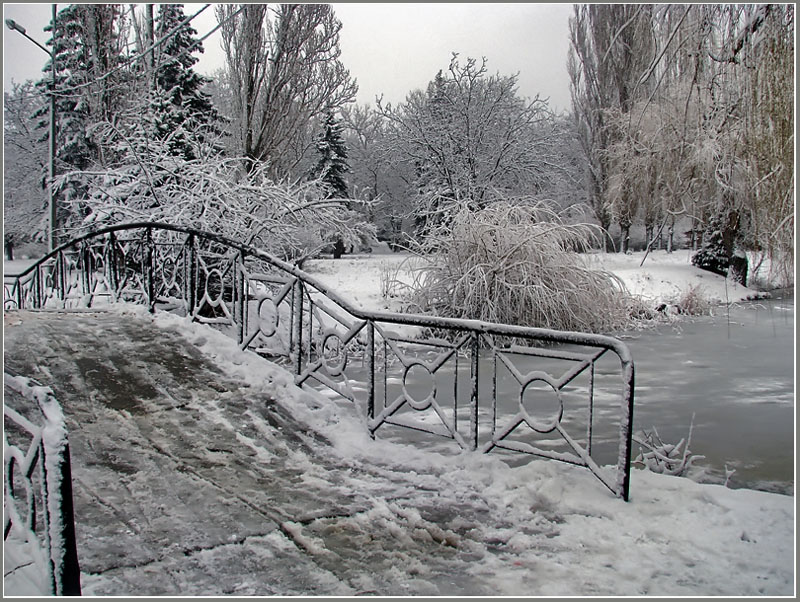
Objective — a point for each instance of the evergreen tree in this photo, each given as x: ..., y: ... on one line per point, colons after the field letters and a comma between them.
x: 73, y: 147
x: 332, y: 165
x: 87, y: 45
x: 712, y: 255
x: 719, y: 252
x: 179, y: 98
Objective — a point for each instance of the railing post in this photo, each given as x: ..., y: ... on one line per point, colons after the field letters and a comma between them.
x: 112, y: 269
x: 147, y: 267
x: 627, y: 433
x: 37, y: 297
x: 191, y: 275
x: 242, y: 302
x: 87, y: 276
x: 473, y: 411
x: 68, y: 573
x: 61, y: 276
x: 590, y: 420
x: 48, y: 517
x: 20, y: 296
x: 370, y: 360
x: 297, y: 327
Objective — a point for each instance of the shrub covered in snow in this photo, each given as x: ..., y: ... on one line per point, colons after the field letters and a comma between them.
x: 517, y: 263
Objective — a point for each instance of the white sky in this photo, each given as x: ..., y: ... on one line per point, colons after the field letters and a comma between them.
x: 390, y: 49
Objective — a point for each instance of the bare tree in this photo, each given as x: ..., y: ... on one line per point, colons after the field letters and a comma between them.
x: 471, y: 139
x: 702, y: 129
x: 378, y: 172
x: 285, y: 70
x: 611, y: 50
x: 24, y: 155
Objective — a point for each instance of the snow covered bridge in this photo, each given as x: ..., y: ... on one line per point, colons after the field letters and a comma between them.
x: 149, y: 415
x: 485, y: 386
x: 188, y: 480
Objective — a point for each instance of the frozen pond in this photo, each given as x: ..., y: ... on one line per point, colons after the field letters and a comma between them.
x: 735, y: 373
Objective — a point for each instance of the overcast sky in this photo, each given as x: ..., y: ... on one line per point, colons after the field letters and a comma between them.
x: 390, y: 49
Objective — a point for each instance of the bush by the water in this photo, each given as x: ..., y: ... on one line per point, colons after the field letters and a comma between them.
x: 518, y: 264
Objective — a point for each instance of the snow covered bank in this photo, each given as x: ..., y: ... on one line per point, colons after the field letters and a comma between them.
x: 666, y: 277
x: 663, y: 278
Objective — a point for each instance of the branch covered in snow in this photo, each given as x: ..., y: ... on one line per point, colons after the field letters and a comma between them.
x: 151, y: 183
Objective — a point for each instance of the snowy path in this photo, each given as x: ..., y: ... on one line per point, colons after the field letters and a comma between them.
x: 185, y: 483
x: 193, y: 478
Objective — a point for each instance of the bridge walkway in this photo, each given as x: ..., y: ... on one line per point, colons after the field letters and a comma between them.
x: 188, y: 482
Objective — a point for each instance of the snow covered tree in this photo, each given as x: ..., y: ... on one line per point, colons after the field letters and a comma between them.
x: 470, y: 140
x: 285, y: 72
x: 379, y: 172
x: 25, y: 216
x: 293, y: 221
x: 178, y: 99
x: 769, y: 137
x: 611, y: 49
x: 87, y: 43
x: 696, y: 124
x: 332, y: 166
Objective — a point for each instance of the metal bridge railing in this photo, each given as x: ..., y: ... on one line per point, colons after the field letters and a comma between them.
x: 495, y: 388
x: 38, y: 511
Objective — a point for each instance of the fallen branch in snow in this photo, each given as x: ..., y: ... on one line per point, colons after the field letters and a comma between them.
x: 665, y: 458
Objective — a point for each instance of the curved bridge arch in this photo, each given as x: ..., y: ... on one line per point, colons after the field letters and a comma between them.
x: 477, y: 380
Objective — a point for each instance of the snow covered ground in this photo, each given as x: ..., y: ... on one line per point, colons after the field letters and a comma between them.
x: 542, y: 529
x: 662, y: 278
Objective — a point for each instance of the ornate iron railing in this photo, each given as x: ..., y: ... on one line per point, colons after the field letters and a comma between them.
x: 561, y: 395
x: 38, y: 484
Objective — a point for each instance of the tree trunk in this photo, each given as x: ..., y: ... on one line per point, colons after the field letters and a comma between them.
x: 624, y: 244
x: 149, y: 29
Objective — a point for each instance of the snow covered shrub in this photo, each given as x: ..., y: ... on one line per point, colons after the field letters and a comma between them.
x: 517, y: 263
x: 693, y: 302
x: 712, y: 256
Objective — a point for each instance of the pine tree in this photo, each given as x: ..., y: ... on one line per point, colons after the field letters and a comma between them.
x: 719, y: 242
x: 332, y: 165
x: 87, y: 46
x: 179, y: 97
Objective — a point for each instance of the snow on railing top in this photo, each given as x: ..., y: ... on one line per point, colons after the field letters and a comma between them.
x: 47, y: 448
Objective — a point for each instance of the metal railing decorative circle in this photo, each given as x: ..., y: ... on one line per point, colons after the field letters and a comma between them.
x: 476, y: 383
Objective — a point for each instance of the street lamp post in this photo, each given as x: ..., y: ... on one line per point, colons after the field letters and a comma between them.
x: 52, y: 237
